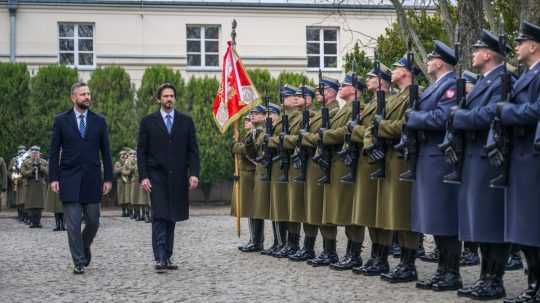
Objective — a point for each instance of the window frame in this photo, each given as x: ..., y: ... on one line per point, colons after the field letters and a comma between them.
x: 202, y: 53
x: 322, y: 54
x: 76, y: 39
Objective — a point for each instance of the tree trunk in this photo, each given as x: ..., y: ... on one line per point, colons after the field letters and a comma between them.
x: 489, y: 9
x: 470, y: 23
x: 447, y: 20
x: 530, y: 11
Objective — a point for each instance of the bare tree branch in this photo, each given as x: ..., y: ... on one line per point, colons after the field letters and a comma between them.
x: 489, y: 10
x: 408, y: 33
x: 444, y: 8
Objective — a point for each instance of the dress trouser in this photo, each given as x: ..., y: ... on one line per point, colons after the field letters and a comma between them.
x: 162, y: 239
x: 79, y: 241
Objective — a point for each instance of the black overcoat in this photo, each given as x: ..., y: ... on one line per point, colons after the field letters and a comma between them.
x: 168, y: 161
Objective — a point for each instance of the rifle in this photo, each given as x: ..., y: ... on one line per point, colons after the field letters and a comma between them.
x: 349, y: 150
x: 408, y: 142
x: 283, y: 153
x: 323, y: 154
x: 35, y: 168
x: 498, y: 140
x: 266, y: 158
x: 453, y: 145
x: 300, y: 154
x: 537, y: 137
x: 379, y: 145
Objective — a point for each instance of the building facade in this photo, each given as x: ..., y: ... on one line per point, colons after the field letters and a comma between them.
x: 189, y: 36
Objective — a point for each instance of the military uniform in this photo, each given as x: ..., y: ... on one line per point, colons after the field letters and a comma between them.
x: 140, y: 197
x: 120, y: 192
x: 127, y: 184
x: 434, y: 203
x: 34, y: 172
x: 55, y: 206
x: 16, y: 181
x: 522, y: 208
x: 245, y: 190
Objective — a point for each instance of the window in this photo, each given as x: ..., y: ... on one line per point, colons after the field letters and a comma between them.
x: 321, y: 47
x: 76, y: 44
x: 203, y: 45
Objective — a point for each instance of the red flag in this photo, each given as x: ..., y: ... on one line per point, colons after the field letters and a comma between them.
x: 236, y: 93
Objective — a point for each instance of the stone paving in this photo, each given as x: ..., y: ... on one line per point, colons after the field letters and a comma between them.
x: 35, y: 267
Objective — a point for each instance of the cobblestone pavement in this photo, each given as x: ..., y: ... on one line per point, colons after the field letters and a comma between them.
x: 35, y: 267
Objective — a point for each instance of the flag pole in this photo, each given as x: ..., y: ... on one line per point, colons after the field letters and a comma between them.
x: 236, y: 137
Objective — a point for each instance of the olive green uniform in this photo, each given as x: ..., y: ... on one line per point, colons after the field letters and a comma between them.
x: 246, y: 181
x: 3, y: 183
x: 35, y: 187
x: 279, y: 194
x: 261, y: 189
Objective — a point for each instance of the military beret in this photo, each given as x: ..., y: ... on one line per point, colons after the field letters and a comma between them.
x: 410, y: 66
x: 348, y: 80
x: 287, y: 90
x: 529, y: 31
x: 443, y: 52
x: 329, y: 83
x: 470, y: 77
x: 382, y: 72
x: 305, y: 91
x: 490, y: 41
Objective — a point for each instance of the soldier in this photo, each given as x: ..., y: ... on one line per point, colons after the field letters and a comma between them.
x: 120, y: 194
x: 279, y: 194
x: 34, y: 171
x: 469, y: 256
x: 297, y: 200
x: 55, y: 206
x: 258, y: 150
x: 3, y: 183
x: 140, y: 197
x: 246, y: 181
x: 128, y: 182
x: 434, y: 203
x: 338, y: 195
x: 314, y: 186
x: 521, y: 114
x: 393, y: 199
x: 481, y: 208
x: 364, y: 211
x: 16, y: 182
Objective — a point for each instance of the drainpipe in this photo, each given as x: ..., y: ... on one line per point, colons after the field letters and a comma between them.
x: 12, y: 7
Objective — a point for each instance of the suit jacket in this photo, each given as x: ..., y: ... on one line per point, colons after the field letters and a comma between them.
x: 168, y: 161
x: 79, y: 169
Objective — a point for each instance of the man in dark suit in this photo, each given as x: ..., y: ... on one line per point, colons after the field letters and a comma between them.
x: 168, y: 163
x: 80, y: 135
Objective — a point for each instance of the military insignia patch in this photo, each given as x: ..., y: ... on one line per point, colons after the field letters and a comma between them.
x: 450, y: 93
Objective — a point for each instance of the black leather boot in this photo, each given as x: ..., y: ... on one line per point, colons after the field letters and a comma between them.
x: 380, y: 265
x: 533, y: 264
x: 467, y: 291
x: 451, y: 279
x: 431, y: 257
x: 493, y: 289
x: 124, y: 212
x: 514, y: 261
x: 62, y: 225
x: 469, y: 258
x: 245, y: 247
x: 436, y: 277
x: 307, y: 252
x: 353, y: 258
x: 370, y: 261
x: 291, y: 248
x: 328, y: 256
x: 282, y: 235
x: 57, y: 222
x: 405, y: 271
x: 275, y: 245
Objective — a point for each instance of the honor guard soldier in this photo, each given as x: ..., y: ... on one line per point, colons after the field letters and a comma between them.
x: 54, y: 205
x: 338, y: 195
x: 298, y: 210
x: 120, y: 185
x: 365, y: 207
x: 521, y: 115
x: 434, y: 203
x: 259, y: 150
x: 393, y: 199
x: 279, y: 188
x: 34, y: 171
x: 16, y: 182
x: 246, y: 181
x: 481, y: 207
x: 316, y: 177
x: 3, y: 183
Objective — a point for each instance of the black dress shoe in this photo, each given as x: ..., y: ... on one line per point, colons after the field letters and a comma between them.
x: 432, y: 257
x: 402, y: 273
x: 171, y: 266
x: 469, y: 258
x: 323, y: 259
x: 251, y: 248
x: 347, y: 264
x: 243, y: 247
x: 88, y: 255
x: 427, y: 284
x: 448, y: 281
x: 375, y: 269
x: 493, y: 289
x: 525, y: 297
x: 302, y: 255
x: 514, y: 262
x: 285, y: 252
x: 78, y: 270
x: 270, y: 250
